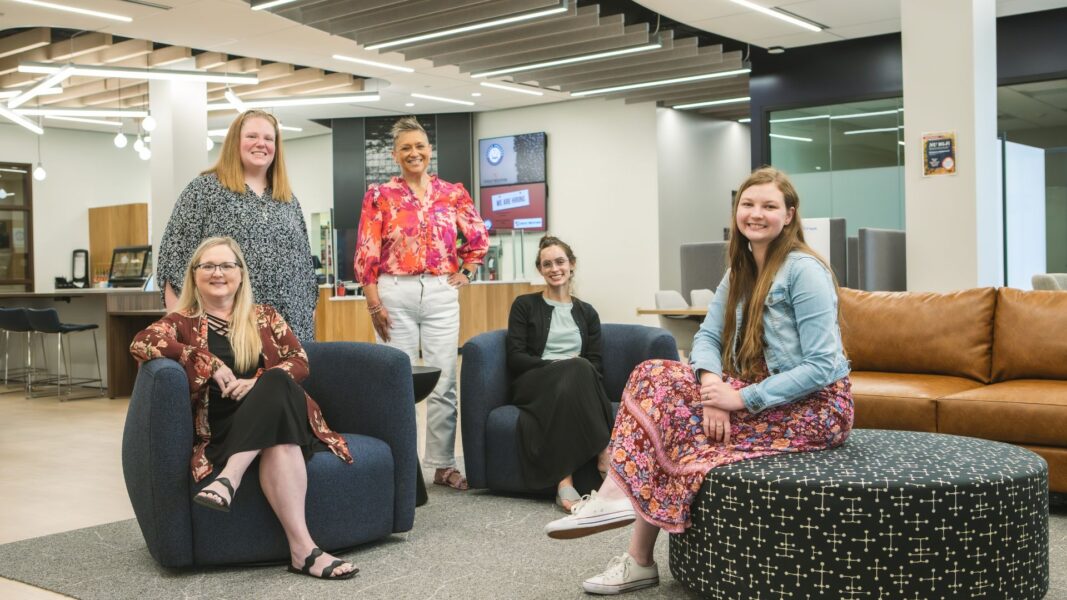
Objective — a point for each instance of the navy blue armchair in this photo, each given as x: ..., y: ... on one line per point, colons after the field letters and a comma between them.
x: 365, y: 392
x: 490, y: 439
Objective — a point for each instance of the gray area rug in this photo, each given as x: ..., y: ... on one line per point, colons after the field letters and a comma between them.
x: 468, y: 545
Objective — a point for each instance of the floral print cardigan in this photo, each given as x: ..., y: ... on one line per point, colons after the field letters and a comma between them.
x: 183, y: 337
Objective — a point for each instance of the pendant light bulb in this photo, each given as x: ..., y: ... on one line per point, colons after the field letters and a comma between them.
x: 39, y: 173
x: 149, y: 123
x: 120, y: 140
x: 138, y: 145
x: 144, y: 153
x: 210, y: 144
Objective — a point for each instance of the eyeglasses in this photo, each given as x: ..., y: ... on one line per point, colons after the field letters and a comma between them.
x: 211, y: 269
x: 559, y: 262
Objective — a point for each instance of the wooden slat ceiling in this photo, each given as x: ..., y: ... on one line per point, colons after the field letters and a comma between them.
x: 577, y: 31
x: 276, y: 80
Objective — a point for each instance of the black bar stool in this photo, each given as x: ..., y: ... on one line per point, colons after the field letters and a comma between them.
x: 16, y: 320
x: 46, y: 321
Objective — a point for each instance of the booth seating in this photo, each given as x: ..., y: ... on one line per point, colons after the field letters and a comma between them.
x: 988, y: 363
x: 888, y: 514
x: 365, y: 392
x: 490, y: 436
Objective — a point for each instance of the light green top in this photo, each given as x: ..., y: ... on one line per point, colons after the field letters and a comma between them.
x: 564, y: 339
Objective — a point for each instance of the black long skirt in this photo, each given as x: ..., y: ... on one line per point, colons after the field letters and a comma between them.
x: 272, y: 413
x: 564, y: 420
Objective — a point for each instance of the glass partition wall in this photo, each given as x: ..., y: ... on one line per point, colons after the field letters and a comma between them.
x: 846, y: 160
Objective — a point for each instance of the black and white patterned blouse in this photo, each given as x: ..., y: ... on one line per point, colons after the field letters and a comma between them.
x: 272, y: 236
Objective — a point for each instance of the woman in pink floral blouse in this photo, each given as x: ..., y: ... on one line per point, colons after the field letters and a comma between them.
x: 768, y: 375
x: 244, y: 364
x: 412, y: 264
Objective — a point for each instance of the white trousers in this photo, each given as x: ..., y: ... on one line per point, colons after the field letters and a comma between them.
x: 424, y: 310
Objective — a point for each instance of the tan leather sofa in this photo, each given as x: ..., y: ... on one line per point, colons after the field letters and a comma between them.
x: 988, y: 363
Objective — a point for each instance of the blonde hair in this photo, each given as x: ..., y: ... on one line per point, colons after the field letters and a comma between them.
x: 750, y: 285
x: 244, y: 333
x: 230, y: 170
x: 405, y: 125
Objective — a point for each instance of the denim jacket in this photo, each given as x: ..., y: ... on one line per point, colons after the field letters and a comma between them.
x: 802, y: 340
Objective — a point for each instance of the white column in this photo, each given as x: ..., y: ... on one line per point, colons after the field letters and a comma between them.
x: 954, y: 223
x: 179, y: 150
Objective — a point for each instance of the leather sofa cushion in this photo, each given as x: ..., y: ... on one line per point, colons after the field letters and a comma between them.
x: 1024, y: 411
x: 902, y: 401
x: 1057, y: 466
x: 919, y: 332
x: 1030, y: 335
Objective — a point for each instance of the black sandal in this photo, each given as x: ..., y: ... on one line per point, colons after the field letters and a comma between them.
x: 327, y: 573
x: 225, y: 504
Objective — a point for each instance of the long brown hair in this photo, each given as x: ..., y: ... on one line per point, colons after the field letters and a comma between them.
x: 750, y: 285
x: 230, y: 170
x: 244, y: 333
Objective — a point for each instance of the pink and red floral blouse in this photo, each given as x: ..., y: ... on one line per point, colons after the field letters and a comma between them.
x: 401, y: 235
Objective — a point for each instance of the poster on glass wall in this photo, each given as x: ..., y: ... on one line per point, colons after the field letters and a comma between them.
x: 939, y: 153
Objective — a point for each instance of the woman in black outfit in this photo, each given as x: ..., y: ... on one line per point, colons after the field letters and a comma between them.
x: 553, y: 346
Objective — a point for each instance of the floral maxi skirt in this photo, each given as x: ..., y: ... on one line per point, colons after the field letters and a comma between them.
x: 660, y: 454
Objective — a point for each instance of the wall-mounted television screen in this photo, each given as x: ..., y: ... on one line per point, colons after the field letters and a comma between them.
x: 510, y: 207
x: 512, y: 159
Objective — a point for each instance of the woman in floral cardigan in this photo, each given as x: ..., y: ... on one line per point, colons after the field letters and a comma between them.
x: 244, y: 364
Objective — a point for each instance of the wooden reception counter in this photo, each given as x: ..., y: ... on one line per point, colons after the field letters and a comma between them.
x: 483, y: 306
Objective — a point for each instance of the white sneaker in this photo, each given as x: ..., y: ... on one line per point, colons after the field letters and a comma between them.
x: 622, y: 575
x: 592, y: 514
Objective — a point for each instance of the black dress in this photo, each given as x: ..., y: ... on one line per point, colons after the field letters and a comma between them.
x: 565, y: 416
x: 272, y: 413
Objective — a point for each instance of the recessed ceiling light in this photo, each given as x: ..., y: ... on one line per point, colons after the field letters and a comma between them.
x: 476, y: 94
x: 711, y: 103
x: 508, y: 88
x: 440, y: 99
x: 661, y: 82
x: 372, y: 63
x: 270, y: 4
x: 569, y: 60
x: 73, y: 9
x: 775, y: 50
x: 474, y: 27
x: 780, y: 14
x: 409, y: 104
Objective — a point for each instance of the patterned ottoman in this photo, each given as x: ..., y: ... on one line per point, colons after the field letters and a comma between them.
x: 889, y: 514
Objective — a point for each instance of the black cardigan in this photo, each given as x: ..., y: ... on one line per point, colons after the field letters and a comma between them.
x: 528, y: 326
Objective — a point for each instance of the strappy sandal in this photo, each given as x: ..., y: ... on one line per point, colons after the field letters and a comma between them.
x: 450, y: 477
x: 327, y: 573
x: 223, y: 504
x: 567, y: 494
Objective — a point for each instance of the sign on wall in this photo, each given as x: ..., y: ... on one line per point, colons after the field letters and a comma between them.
x: 939, y: 153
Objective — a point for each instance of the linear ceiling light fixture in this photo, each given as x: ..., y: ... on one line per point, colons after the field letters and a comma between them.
x: 789, y: 137
x: 662, y: 82
x: 120, y: 113
x: 83, y: 120
x: 876, y: 113
x: 508, y: 88
x: 373, y: 63
x: 711, y: 103
x: 271, y: 4
x: 47, y: 83
x: 20, y: 120
x: 780, y: 14
x: 877, y: 130
x: 473, y: 27
x: 74, y: 9
x: 568, y: 61
x: 8, y: 94
x: 235, y: 102
x: 133, y: 73
x: 440, y: 99
x: 301, y: 101
x: 745, y: 120
x: 222, y: 132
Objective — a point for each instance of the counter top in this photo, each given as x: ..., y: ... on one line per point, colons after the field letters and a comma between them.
x: 76, y: 293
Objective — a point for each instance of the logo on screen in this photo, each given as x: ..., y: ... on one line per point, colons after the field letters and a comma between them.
x: 494, y: 154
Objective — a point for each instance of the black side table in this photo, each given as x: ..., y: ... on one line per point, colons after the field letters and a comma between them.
x: 424, y: 380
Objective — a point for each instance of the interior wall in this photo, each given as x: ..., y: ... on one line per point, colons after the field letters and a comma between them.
x: 602, y: 197
x: 85, y: 170
x: 701, y: 161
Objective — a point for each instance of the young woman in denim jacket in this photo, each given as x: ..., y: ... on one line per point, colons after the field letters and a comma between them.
x: 768, y: 375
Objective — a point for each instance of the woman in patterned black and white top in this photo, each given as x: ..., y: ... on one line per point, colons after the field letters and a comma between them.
x: 246, y: 196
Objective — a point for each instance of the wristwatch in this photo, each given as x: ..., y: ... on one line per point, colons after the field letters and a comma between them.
x: 467, y: 273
